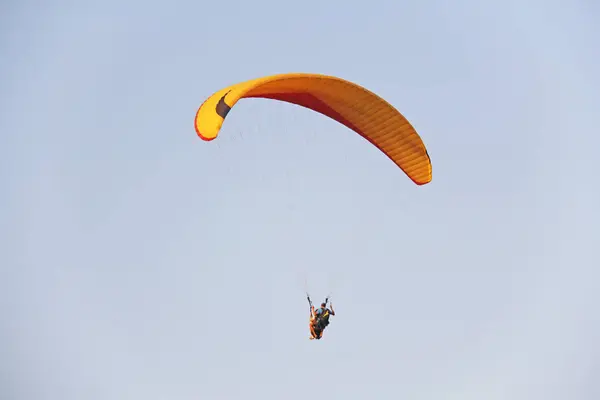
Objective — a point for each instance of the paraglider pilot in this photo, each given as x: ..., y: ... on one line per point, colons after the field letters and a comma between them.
x: 319, y: 320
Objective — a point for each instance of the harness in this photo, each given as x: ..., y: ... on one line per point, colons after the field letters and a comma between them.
x: 323, y: 319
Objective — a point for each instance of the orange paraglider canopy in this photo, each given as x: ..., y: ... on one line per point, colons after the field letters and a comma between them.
x: 348, y: 103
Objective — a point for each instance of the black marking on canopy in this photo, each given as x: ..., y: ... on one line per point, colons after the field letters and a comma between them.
x: 222, y: 107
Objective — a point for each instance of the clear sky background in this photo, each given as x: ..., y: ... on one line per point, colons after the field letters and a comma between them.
x: 139, y: 262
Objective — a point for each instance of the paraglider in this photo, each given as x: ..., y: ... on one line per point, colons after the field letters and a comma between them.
x: 348, y: 103
x: 357, y: 108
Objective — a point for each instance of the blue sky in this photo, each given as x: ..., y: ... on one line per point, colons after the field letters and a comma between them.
x: 139, y: 262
